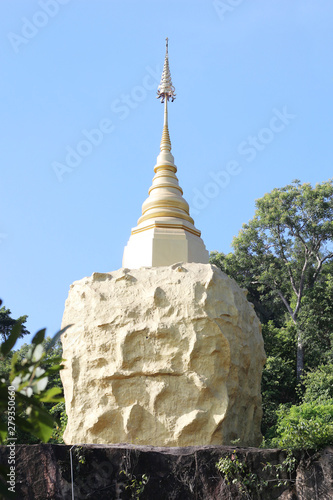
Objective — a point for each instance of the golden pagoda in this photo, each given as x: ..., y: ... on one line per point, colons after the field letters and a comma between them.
x: 165, y: 233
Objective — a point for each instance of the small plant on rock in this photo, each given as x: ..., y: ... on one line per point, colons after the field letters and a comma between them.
x: 135, y: 485
x: 237, y: 472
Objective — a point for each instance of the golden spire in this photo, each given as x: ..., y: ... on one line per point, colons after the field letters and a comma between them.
x: 165, y: 88
x: 165, y: 195
x: 166, y: 91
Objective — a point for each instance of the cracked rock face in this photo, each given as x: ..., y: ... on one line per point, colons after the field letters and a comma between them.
x: 164, y: 356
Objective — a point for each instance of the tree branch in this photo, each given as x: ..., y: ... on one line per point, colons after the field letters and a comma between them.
x: 291, y: 276
x: 286, y: 303
x: 301, y: 288
x: 320, y: 264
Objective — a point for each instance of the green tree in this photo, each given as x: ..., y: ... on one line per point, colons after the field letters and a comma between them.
x: 52, y: 354
x: 318, y: 385
x: 266, y: 304
x: 280, y: 253
x: 316, y: 319
x: 309, y: 425
x: 24, y: 394
x: 28, y: 382
x: 7, y: 323
x: 278, y: 388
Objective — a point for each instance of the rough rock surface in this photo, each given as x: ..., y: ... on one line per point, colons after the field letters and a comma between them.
x: 43, y: 472
x: 166, y: 356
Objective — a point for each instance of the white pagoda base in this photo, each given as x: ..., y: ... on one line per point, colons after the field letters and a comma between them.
x: 163, y: 247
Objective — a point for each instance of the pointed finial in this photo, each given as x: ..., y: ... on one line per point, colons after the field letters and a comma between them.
x: 165, y: 88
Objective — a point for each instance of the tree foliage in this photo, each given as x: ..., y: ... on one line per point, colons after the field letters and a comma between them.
x: 7, y: 323
x: 306, y: 426
x: 28, y: 381
x: 280, y: 253
x: 25, y: 392
x: 284, y: 257
x: 318, y: 385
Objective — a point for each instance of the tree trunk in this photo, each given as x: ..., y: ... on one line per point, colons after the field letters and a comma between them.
x: 300, y: 355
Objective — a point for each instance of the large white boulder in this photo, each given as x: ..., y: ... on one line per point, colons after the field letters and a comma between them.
x: 163, y: 356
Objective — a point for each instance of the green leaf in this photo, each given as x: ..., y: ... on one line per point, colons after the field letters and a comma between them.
x: 45, y: 424
x: 50, y: 395
x: 39, y: 337
x: 24, y: 425
x: 8, y: 344
x: 55, y: 368
x: 3, y: 431
x: 41, y: 384
x: 56, y: 337
x: 37, y: 353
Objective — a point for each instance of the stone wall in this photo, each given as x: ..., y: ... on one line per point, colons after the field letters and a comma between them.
x: 43, y: 472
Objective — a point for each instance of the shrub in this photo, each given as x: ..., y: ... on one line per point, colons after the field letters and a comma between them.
x: 309, y: 425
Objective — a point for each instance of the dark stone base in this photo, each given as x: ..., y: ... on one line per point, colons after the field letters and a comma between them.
x: 44, y: 472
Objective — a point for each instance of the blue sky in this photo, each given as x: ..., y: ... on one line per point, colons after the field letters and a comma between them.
x: 81, y: 126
